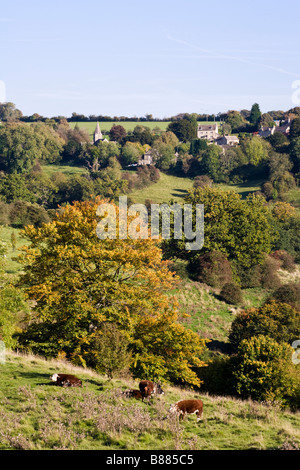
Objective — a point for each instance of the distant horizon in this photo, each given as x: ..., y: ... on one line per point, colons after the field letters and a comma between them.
x: 143, y: 117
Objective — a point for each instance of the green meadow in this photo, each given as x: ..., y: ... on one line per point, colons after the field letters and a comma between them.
x: 128, y: 125
x: 37, y: 415
x: 170, y: 187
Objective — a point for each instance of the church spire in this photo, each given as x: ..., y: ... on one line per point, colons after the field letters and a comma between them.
x: 97, y: 134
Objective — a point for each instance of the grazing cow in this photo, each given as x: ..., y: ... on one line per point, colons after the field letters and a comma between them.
x: 148, y: 389
x: 66, y: 380
x: 132, y: 394
x: 184, y: 407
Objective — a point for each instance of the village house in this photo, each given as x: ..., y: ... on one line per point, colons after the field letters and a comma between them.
x: 266, y: 131
x: 228, y: 140
x: 208, y: 132
x: 146, y: 159
x: 285, y: 127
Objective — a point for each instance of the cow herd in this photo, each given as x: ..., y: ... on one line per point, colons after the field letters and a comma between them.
x: 147, y: 389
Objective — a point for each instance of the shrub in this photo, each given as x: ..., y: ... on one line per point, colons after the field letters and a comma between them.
x: 109, y: 352
x: 286, y: 260
x: 24, y: 213
x: 278, y: 320
x: 263, y: 371
x: 248, y: 277
x: 283, y: 211
x: 289, y: 294
x: 267, y: 190
x: 269, y: 278
x: 289, y: 237
x: 212, y: 268
x: 231, y: 293
x: 202, y: 180
x: 260, y: 275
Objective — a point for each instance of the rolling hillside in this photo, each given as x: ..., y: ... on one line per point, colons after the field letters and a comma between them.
x: 37, y: 415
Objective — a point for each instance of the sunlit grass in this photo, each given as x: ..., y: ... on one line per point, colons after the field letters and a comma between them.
x: 37, y: 415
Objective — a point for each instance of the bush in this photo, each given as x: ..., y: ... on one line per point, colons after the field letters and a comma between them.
x: 289, y: 294
x: 286, y: 260
x: 212, y: 268
x: 109, y: 352
x: 289, y: 237
x: 202, y: 180
x: 231, y: 293
x: 278, y: 320
x: 263, y: 371
x: 24, y: 213
x: 248, y: 277
x: 269, y: 278
x: 267, y: 190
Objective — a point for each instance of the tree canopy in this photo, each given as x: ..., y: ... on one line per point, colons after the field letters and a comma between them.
x: 240, y: 228
x: 80, y: 282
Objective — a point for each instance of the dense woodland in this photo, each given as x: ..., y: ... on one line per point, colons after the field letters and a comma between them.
x: 107, y: 305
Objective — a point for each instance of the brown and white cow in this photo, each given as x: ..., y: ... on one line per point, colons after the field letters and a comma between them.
x: 66, y: 380
x: 184, y: 407
x: 148, y: 388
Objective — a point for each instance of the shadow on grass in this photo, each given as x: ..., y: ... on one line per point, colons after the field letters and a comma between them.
x: 45, y: 378
x: 219, y: 346
x: 179, y: 192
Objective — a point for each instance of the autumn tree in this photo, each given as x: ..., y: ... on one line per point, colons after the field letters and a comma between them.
x: 80, y: 282
x: 117, y: 133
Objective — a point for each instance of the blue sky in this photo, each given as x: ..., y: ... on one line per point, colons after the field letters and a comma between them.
x: 161, y: 57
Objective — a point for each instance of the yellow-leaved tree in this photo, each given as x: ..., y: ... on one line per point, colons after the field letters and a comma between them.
x: 80, y: 282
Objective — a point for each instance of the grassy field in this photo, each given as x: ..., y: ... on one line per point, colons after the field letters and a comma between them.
x: 128, y: 125
x: 68, y: 170
x: 243, y: 188
x: 173, y: 187
x: 209, y: 315
x: 168, y: 187
x: 37, y: 415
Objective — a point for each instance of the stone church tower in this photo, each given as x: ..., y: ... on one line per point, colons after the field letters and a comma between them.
x: 97, y: 134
